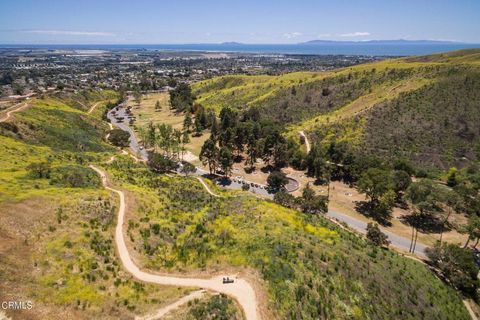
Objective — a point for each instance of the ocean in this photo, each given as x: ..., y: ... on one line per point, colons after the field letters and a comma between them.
x: 335, y: 48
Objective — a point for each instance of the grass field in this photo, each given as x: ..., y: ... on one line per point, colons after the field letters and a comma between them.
x: 146, y: 113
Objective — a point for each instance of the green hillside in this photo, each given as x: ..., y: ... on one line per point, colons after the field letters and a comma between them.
x: 57, y: 221
x: 311, y: 268
x: 413, y: 107
x: 53, y: 207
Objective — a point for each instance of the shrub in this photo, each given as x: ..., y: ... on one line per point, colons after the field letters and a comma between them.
x: 119, y: 138
x: 74, y: 177
x: 160, y: 163
x: 457, y: 265
x: 375, y: 235
x: 277, y: 180
x: 39, y: 170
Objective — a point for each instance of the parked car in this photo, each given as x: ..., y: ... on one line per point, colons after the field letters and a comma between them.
x: 227, y: 280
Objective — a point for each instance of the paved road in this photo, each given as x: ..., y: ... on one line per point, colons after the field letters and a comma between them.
x: 240, y: 289
x: 397, y: 241
x: 121, y: 112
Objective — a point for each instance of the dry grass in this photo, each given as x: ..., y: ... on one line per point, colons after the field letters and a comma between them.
x: 146, y: 113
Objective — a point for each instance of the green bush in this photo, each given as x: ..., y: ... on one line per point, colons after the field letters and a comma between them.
x: 119, y: 138
x: 74, y: 177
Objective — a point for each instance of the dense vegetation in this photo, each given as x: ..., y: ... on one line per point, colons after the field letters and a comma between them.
x: 312, y: 268
x: 424, y: 109
x: 57, y: 222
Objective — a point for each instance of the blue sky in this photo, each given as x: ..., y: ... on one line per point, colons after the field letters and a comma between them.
x: 260, y: 21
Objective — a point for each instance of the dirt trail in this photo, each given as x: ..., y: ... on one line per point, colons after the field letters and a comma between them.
x: 163, y: 311
x: 205, y: 185
x: 307, y: 143
x: 240, y: 290
x: 16, y: 108
x: 93, y: 107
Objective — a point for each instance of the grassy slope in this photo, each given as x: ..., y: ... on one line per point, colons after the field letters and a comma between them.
x: 312, y: 269
x: 56, y: 244
x: 358, y: 102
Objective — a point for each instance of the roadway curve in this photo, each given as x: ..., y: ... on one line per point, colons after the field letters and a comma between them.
x: 240, y: 290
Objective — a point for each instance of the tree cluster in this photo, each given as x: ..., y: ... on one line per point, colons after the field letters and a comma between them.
x: 309, y: 202
x: 247, y: 135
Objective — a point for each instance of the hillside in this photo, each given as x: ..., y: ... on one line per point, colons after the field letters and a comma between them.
x: 53, y: 207
x: 57, y: 221
x: 422, y: 108
x: 309, y: 267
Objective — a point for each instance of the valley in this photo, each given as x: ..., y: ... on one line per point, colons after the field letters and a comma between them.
x: 134, y: 224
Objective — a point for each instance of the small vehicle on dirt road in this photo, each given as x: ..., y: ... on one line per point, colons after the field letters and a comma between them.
x: 227, y: 280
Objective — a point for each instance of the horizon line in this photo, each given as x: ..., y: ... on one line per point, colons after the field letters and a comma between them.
x: 240, y: 43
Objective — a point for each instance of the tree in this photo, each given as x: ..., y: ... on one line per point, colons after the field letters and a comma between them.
x: 214, y: 128
x: 404, y: 165
x: 383, y: 208
x: 185, y: 137
x: 277, y: 180
x: 285, y: 199
x: 209, y: 155
x: 452, y: 177
x: 137, y: 95
x: 226, y: 160
x: 151, y: 136
x: 472, y: 229
x: 187, y: 122
x: 119, y: 138
x: 457, y: 265
x: 374, y: 183
x: 160, y: 163
x: 187, y: 168
x: 252, y: 151
x: 228, y: 118
x: 308, y: 193
x: 181, y: 98
x: 376, y: 236
x: 310, y: 202
x: 158, y: 106
x: 469, y: 197
x: 401, y: 181
x: 452, y: 203
x: 143, y: 134
x: 423, y: 199
x: 198, y: 128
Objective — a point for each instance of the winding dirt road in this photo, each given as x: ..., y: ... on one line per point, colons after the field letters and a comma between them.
x: 16, y: 108
x: 163, y: 311
x: 240, y: 290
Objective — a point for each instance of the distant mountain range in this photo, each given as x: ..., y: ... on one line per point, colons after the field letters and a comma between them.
x: 399, y: 41
x: 394, y: 42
